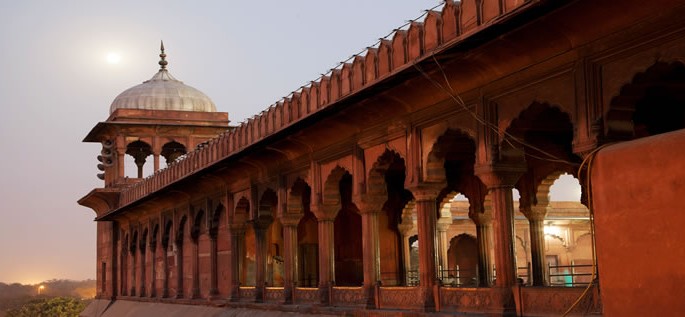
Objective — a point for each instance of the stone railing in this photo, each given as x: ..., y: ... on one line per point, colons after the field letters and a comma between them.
x: 465, y: 299
x: 410, y: 298
x: 554, y: 301
x: 306, y: 295
x: 398, y: 51
x: 274, y: 294
x: 347, y: 296
x: 247, y: 293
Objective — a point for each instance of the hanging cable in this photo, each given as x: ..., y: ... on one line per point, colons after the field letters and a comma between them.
x: 507, y: 137
x: 588, y: 185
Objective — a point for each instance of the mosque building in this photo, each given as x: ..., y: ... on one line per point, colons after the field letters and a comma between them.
x: 415, y: 178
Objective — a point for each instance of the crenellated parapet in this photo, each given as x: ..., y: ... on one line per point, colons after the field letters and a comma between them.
x: 415, y: 41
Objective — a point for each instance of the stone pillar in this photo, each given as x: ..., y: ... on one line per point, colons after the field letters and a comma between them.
x: 165, y: 267
x: 405, y: 229
x: 133, y: 271
x: 500, y: 180
x: 442, y: 225
x: 143, y: 264
x: 153, y: 269
x: 213, y: 266
x: 260, y: 229
x: 371, y: 207
x: 426, y: 225
x: 290, y: 222
x: 124, y: 271
x: 326, y: 236
x: 536, y: 216
x: 483, y: 222
x: 179, y: 268
x: 237, y: 234
x: 195, y: 292
x: 156, y: 161
x: 140, y: 159
x: 121, y: 157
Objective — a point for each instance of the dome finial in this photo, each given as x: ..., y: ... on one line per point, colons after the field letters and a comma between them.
x: 162, y: 56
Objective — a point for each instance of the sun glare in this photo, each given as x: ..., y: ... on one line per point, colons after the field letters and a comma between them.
x: 113, y: 58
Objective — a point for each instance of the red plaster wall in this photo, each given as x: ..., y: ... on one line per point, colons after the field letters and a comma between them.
x: 638, y: 190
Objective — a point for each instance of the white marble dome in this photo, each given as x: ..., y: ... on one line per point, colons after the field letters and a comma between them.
x: 163, y: 92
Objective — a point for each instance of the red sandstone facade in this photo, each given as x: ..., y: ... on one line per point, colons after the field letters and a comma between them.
x: 308, y: 206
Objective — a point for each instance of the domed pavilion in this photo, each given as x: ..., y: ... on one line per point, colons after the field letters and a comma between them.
x: 162, y: 117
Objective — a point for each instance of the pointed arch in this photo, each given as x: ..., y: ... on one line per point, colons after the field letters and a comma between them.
x: 299, y: 196
x: 199, y: 225
x: 173, y: 150
x: 453, y: 154
x: 652, y: 103
x: 331, y: 188
x: 462, y: 260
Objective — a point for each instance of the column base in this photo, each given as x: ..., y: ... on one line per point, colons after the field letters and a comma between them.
x: 502, y: 302
x: 324, y: 295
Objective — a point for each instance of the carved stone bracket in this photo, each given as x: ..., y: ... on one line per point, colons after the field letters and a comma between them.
x: 426, y: 191
x: 536, y: 213
x: 500, y: 175
x: 481, y: 218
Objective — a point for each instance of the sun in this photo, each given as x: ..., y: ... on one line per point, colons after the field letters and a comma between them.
x: 113, y: 58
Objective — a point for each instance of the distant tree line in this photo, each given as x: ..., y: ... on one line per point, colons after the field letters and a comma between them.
x: 25, y: 300
x: 49, y: 307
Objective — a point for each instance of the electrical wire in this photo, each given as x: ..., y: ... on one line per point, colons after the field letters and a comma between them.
x: 588, y: 183
x: 339, y: 64
x: 507, y: 137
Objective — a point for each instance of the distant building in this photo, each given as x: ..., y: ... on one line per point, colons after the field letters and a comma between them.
x: 343, y: 197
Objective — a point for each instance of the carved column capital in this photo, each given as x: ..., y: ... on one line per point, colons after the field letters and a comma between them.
x: 500, y: 175
x: 262, y: 223
x: 481, y: 218
x: 371, y: 203
x: 426, y: 191
x: 535, y: 213
x: 325, y: 211
x: 291, y: 219
x: 236, y: 228
x: 443, y: 223
x: 405, y: 228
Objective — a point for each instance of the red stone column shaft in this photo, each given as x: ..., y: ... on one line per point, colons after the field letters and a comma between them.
x: 153, y: 270
x: 370, y: 245
x: 483, y: 222
x: 370, y: 248
x: 503, y: 225
x: 213, y: 266
x: 406, y: 259
x: 133, y: 273
x: 537, y: 250
x: 143, y: 278
x: 179, y: 269
x: 426, y: 225
x: 326, y: 257
x: 237, y: 234
x: 121, y: 153
x: 260, y: 260
x: 165, y: 267
x: 195, y: 293
x: 326, y: 247
x: 124, y: 272
x: 290, y: 261
x: 442, y: 246
x: 484, y: 237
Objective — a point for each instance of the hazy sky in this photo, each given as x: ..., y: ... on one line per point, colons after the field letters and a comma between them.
x: 56, y: 83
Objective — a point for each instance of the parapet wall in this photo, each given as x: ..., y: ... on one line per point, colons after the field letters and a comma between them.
x: 638, y: 203
x: 454, y: 23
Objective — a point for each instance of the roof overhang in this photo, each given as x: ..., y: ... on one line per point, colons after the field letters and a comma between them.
x: 101, y: 200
